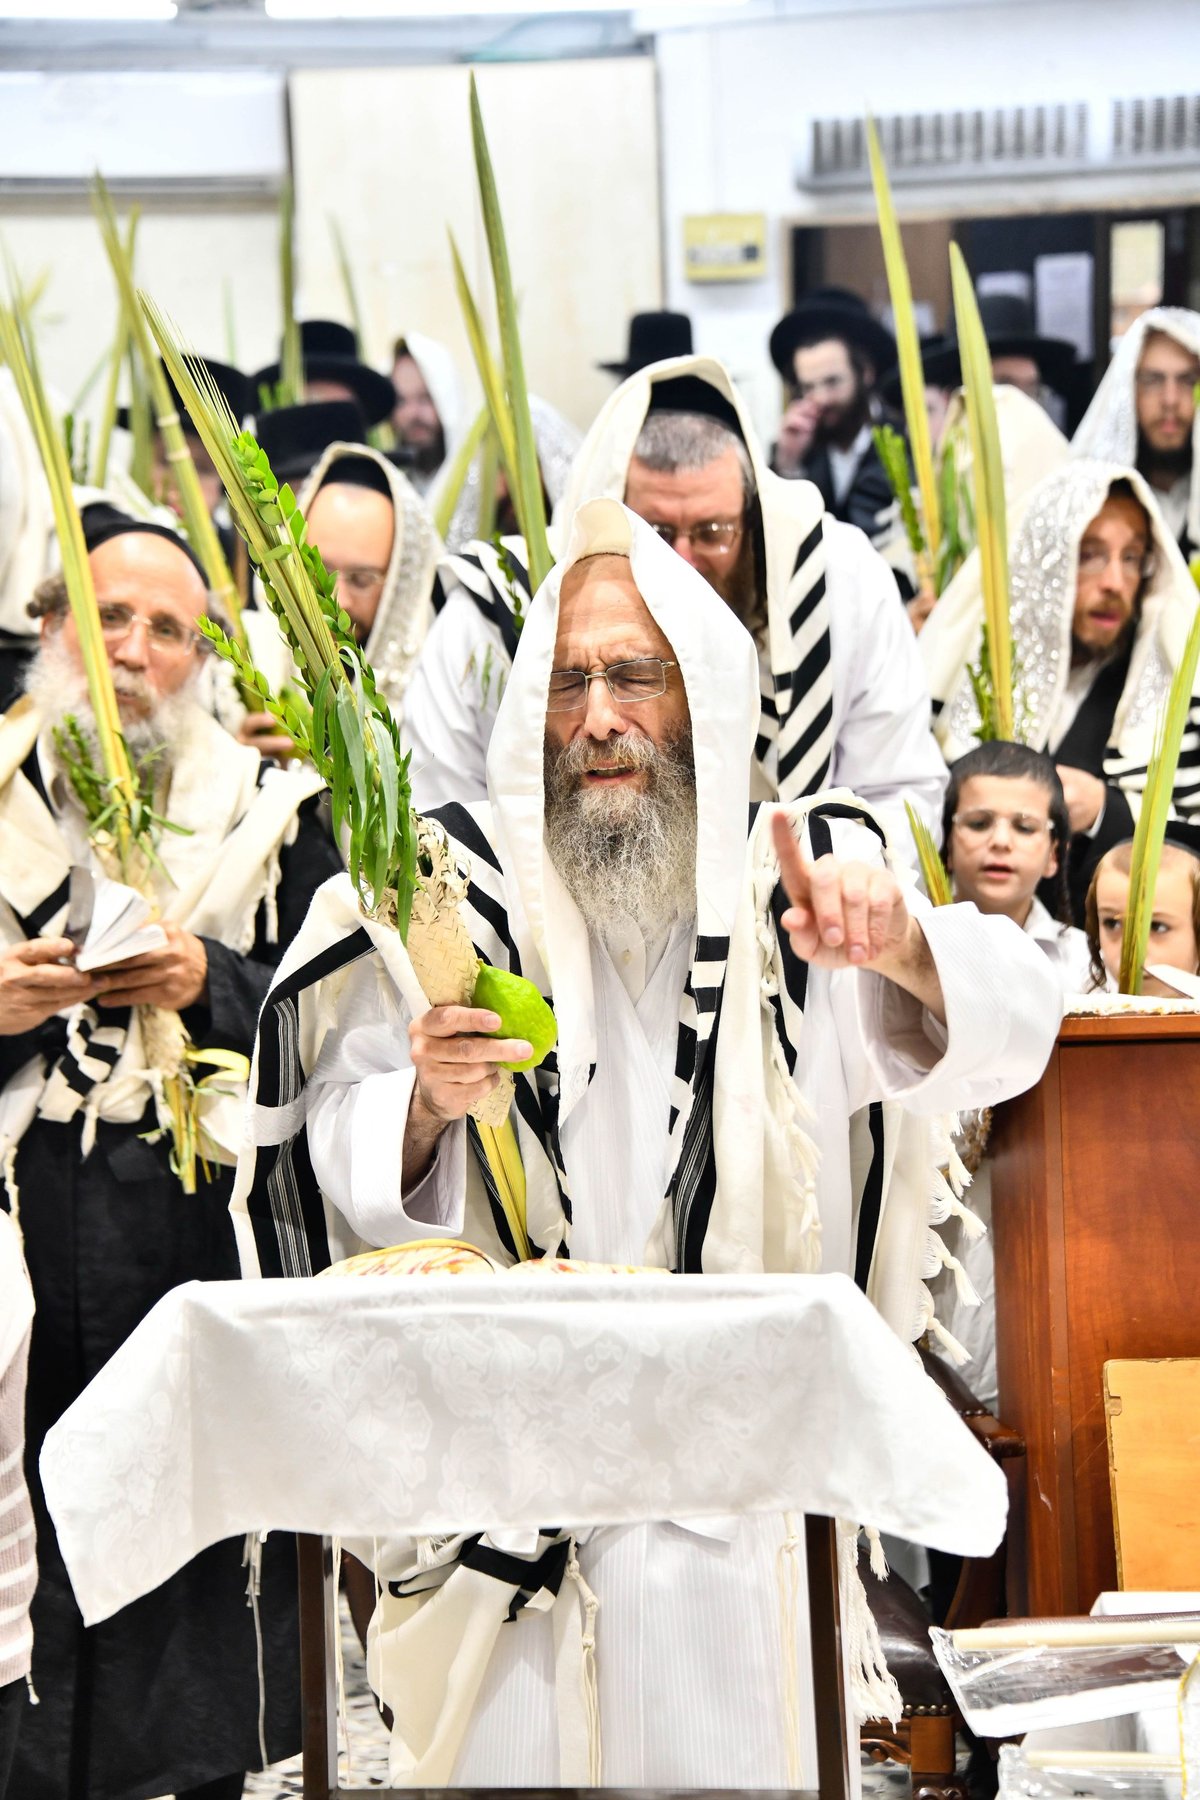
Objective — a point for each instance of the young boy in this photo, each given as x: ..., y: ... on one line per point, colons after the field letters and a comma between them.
x: 1005, y: 830
x: 1174, y: 941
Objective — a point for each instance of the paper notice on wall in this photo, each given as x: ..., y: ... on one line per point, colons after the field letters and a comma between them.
x: 1063, y: 298
x: 1013, y: 282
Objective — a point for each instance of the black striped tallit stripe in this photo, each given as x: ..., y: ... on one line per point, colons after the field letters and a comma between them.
x: 462, y: 828
x: 287, y: 1214
x: 495, y: 916
x: 871, y: 1204
x: 694, y: 1183
x: 807, y: 742
x: 806, y: 607
x: 275, y: 1033
x: 810, y: 544
x: 499, y: 1217
x: 32, y: 922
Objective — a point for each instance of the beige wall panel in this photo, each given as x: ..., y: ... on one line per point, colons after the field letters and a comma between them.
x: 575, y: 145
x: 184, y: 256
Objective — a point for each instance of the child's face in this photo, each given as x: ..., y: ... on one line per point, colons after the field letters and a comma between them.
x: 1000, y: 844
x: 1172, y: 931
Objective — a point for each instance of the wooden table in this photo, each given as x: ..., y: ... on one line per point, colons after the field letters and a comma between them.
x: 1096, y: 1220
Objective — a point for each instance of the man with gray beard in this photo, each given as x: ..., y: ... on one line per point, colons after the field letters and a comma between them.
x: 725, y: 1001
x: 164, y: 1697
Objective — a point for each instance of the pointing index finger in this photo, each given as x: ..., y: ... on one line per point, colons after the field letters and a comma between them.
x: 793, y: 870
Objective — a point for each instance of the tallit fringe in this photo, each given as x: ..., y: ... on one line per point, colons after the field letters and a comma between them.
x: 252, y: 1562
x: 591, y: 1686
x: 784, y: 1098
x: 928, y: 1322
x: 873, y: 1690
x: 939, y: 1256
x: 8, y: 1180
x: 787, y: 1578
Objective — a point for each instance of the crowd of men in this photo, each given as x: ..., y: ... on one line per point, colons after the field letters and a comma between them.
x: 728, y: 634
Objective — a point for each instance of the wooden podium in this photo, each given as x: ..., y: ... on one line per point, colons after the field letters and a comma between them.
x: 1096, y: 1220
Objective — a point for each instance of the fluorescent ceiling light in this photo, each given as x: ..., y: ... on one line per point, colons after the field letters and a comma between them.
x: 441, y: 9
x: 94, y: 12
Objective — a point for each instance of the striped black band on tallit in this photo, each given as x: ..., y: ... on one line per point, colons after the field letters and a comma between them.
x: 501, y: 589
x: 796, y: 702
x: 284, y: 1203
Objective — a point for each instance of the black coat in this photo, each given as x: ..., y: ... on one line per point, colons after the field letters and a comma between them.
x: 868, y: 496
x: 165, y: 1695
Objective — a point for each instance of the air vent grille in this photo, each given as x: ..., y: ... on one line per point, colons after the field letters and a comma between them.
x: 974, y: 142
x: 1161, y: 129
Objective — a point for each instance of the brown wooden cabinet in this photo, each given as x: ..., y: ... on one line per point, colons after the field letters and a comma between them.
x: 1096, y: 1219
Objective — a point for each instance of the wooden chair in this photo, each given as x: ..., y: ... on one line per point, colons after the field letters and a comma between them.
x: 924, y: 1740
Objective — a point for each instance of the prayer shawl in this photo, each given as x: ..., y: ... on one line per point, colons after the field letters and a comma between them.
x: 794, y: 743
x: 740, y: 1190
x: 1108, y: 431
x: 237, y: 813
x: 439, y: 372
x: 405, y: 604
x: 1043, y: 568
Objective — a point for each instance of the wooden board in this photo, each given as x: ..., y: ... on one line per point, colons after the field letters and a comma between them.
x: 1153, y: 1412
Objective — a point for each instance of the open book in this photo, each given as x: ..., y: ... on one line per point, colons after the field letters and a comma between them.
x: 120, y: 926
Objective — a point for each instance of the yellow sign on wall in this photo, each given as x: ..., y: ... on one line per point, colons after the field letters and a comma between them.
x: 725, y: 246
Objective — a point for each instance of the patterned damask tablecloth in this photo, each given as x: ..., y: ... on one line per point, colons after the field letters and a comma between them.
x: 431, y: 1405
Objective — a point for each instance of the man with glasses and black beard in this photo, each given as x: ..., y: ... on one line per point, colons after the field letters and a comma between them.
x: 843, y: 699
x: 1101, y: 604
x: 163, y: 1697
x: 1144, y: 415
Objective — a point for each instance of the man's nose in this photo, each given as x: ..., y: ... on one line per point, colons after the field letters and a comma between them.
x: 682, y: 546
x: 133, y: 650
x: 602, y: 717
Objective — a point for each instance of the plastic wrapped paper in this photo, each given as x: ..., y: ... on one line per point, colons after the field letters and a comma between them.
x: 1086, y: 1776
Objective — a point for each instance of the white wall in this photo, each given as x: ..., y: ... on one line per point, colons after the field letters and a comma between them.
x: 736, y: 100
x: 575, y: 149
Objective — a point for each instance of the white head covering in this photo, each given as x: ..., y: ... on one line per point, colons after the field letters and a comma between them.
x: 439, y: 372
x: 405, y: 609
x: 557, y: 443
x: 26, y: 515
x: 1043, y: 569
x: 1108, y: 431
x: 1031, y: 448
x: 719, y: 666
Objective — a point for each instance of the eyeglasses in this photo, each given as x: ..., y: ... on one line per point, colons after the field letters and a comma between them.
x: 628, y: 683
x: 980, y: 824
x: 1154, y: 381
x: 167, y: 636
x: 1138, y: 565
x: 716, y: 538
x: 360, y: 581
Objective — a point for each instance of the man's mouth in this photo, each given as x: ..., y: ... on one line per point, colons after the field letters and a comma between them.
x: 1106, y: 617
x: 615, y: 772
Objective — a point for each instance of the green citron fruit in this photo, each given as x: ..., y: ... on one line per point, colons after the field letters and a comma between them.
x: 522, y: 1012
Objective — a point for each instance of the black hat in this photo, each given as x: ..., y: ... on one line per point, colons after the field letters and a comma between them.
x: 236, y: 389
x: 329, y: 352
x: 692, y: 394
x: 1008, y: 325
x: 296, y: 437
x: 653, y: 337
x: 830, y: 312
x: 102, y: 521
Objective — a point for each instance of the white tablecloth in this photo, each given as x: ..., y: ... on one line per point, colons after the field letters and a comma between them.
x: 367, y: 1407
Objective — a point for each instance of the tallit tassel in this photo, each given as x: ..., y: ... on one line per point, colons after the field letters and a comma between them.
x: 8, y: 1177
x: 928, y: 1322
x: 879, y: 1561
x: 252, y: 1562
x: 787, y: 1576
x: 941, y: 1256
x: 873, y: 1690
x: 973, y: 1227
x: 591, y: 1687
x: 271, y: 898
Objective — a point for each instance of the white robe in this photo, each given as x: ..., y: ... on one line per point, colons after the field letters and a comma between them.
x: 688, y: 1636
x: 883, y: 750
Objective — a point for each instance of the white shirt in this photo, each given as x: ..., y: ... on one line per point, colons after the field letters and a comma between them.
x: 884, y: 749
x: 843, y: 464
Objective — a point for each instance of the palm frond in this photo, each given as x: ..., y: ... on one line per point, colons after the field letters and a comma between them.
x: 524, y: 473
x: 350, y: 734
x: 20, y: 352
x: 987, y: 472
x: 290, y: 391
x: 1151, y: 827
x: 120, y: 350
x: 908, y: 344
x: 933, y: 870
x: 456, y: 474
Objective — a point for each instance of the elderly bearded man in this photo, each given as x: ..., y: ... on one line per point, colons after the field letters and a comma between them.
x: 843, y: 700
x: 163, y: 1698
x: 715, y: 1034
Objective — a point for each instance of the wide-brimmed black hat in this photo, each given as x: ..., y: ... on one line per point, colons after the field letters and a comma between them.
x: 296, y: 437
x: 330, y: 352
x: 1008, y: 325
x: 237, y: 390
x: 830, y: 312
x: 653, y: 337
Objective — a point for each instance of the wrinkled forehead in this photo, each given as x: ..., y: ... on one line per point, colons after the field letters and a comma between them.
x: 602, y: 617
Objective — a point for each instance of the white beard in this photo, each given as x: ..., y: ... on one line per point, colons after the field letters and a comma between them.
x: 58, y: 688
x: 625, y: 851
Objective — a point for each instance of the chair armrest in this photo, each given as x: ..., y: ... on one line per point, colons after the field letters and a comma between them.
x: 998, y: 1439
